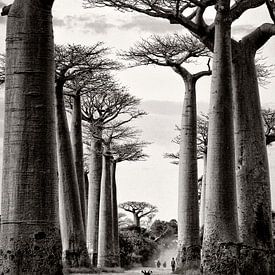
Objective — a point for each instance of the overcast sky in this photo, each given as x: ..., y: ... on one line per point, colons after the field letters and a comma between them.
x: 160, y: 89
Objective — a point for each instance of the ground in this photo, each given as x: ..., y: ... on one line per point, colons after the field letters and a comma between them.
x: 155, y: 271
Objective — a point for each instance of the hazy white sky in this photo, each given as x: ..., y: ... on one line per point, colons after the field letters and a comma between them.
x: 161, y: 89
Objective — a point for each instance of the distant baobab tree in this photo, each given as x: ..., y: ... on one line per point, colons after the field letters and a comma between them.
x: 129, y: 150
x: 139, y: 210
x: 109, y: 107
x: 76, y: 67
x: 72, y: 61
x: 108, y: 239
x: 175, y: 52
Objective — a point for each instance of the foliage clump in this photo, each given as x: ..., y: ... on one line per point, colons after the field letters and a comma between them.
x: 137, y: 247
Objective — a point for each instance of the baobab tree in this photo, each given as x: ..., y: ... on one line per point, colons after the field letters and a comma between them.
x: 73, y: 62
x: 202, y: 139
x: 249, y: 136
x: 139, y: 210
x: 71, y: 221
x: 74, y: 89
x: 30, y: 238
x: 99, y: 110
x: 175, y: 51
x: 130, y: 150
x: 76, y: 67
x: 105, y: 228
x: 108, y: 240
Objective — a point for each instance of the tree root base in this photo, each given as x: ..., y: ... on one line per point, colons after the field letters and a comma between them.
x: 31, y: 253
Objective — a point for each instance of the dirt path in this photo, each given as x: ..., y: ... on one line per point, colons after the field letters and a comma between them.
x: 155, y: 271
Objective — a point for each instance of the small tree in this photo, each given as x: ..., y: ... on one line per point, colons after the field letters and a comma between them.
x: 139, y: 210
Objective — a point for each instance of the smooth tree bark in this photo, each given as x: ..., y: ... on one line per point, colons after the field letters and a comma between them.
x: 77, y: 146
x: 105, y: 233
x: 221, y: 226
x: 188, y: 208
x: 71, y: 222
x: 30, y: 238
x: 188, y: 212
x: 95, y: 172
x: 252, y: 172
x: 115, y: 232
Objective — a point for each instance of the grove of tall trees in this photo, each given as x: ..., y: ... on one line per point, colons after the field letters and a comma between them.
x: 60, y: 214
x: 250, y: 162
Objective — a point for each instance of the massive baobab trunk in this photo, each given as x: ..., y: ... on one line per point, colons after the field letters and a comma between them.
x: 253, y: 185
x: 105, y: 244
x: 95, y: 172
x: 220, y: 227
x: 71, y: 222
x: 116, y: 253
x: 30, y: 238
x: 77, y: 146
x: 188, y: 213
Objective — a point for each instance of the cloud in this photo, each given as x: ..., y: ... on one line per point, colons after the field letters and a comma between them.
x: 99, y: 25
x: 145, y: 23
x: 102, y: 24
x: 2, y: 20
x: 58, y: 22
x: 242, y: 29
x: 159, y: 125
x: 169, y: 108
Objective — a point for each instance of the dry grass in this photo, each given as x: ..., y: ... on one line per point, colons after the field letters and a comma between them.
x: 81, y: 270
x: 193, y: 269
x: 192, y: 272
x: 112, y: 270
